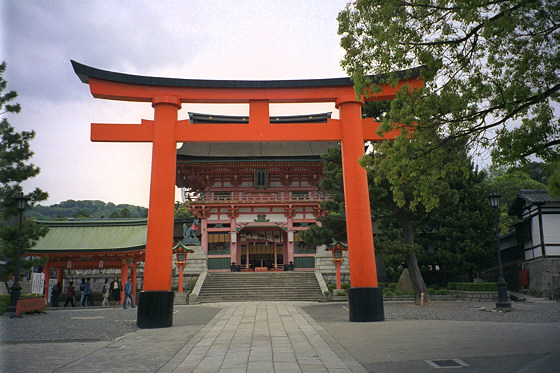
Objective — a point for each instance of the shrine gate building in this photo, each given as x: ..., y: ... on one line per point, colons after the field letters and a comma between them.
x: 253, y: 199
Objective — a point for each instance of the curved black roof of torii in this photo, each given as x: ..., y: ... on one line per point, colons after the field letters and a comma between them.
x: 85, y: 72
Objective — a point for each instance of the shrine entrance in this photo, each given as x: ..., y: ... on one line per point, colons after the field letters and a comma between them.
x: 261, y: 250
x: 262, y: 257
x: 167, y: 95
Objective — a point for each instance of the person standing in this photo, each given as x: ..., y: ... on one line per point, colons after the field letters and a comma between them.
x: 70, y: 294
x: 55, y: 292
x: 105, y: 292
x: 115, y: 290
x: 128, y: 293
x: 85, y: 293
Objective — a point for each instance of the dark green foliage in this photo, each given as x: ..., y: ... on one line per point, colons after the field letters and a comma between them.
x: 87, y: 209
x: 458, y: 235
x: 181, y: 211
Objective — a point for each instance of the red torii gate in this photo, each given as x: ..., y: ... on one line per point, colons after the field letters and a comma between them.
x: 155, y: 305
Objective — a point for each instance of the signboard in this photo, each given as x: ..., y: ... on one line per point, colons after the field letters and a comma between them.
x: 38, y: 283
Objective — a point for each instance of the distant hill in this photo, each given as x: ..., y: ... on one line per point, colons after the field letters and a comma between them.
x: 85, y: 210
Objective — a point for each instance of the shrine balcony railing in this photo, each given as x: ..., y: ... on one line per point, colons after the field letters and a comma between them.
x: 257, y: 197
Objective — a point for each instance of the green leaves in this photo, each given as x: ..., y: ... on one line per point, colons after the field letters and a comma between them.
x: 490, y: 66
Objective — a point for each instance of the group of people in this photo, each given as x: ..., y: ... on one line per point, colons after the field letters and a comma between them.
x: 111, y: 292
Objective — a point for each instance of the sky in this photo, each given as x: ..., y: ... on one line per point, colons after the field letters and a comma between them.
x: 233, y: 40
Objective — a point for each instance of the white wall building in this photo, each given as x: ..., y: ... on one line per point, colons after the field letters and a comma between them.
x: 539, y: 234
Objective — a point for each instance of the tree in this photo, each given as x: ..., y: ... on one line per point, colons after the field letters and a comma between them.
x: 458, y: 235
x: 82, y: 215
x: 181, y: 211
x: 125, y: 213
x: 491, y: 70
x: 14, y: 153
x: 508, y: 183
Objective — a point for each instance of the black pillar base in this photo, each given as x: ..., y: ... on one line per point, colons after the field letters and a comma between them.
x: 365, y: 304
x: 155, y: 309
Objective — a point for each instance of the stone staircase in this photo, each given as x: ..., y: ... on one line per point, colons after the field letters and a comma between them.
x: 260, y: 286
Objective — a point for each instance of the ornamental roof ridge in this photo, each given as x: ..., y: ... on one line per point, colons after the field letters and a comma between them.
x: 93, y: 222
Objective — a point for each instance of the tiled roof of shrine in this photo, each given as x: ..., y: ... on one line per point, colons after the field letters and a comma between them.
x: 254, y: 150
x: 92, y: 235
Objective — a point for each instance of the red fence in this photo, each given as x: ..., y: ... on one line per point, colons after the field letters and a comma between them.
x: 29, y: 305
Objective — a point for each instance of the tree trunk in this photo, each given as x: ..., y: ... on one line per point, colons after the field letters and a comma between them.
x: 418, y: 285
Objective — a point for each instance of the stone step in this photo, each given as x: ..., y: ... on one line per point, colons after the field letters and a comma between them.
x: 266, y: 286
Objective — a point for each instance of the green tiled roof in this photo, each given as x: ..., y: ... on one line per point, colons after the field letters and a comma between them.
x: 92, y: 235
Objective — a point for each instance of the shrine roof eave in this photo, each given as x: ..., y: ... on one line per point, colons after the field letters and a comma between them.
x: 85, y: 72
x: 81, y: 251
x: 237, y: 159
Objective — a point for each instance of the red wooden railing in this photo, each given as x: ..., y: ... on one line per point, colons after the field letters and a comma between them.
x: 29, y: 305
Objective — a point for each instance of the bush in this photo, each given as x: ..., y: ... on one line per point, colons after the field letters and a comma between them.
x: 431, y: 291
x: 388, y: 293
x: 331, y: 287
x: 467, y: 286
x: 442, y: 292
x: 345, y: 286
x: 4, y: 303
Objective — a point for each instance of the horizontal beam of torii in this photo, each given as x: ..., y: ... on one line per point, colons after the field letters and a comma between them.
x: 167, y: 95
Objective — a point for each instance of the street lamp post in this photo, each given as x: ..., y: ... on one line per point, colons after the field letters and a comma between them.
x: 181, y: 252
x: 337, y: 249
x: 21, y: 205
x: 503, y: 302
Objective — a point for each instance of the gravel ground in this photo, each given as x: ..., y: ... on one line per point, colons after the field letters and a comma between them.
x: 524, y: 312
x: 66, y: 325
x: 105, y: 324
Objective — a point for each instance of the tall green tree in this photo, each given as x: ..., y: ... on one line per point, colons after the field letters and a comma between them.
x: 492, y: 70
x: 507, y: 183
x: 458, y: 235
x: 15, y: 152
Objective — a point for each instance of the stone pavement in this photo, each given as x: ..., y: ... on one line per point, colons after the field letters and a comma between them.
x: 268, y: 337
x: 289, y: 337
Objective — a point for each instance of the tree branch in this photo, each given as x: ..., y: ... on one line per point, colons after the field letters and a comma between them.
x: 473, y: 31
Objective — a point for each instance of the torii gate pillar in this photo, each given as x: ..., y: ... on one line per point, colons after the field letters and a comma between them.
x: 365, y: 298
x: 155, y: 303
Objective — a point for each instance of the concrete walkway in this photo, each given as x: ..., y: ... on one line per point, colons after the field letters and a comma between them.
x: 268, y: 337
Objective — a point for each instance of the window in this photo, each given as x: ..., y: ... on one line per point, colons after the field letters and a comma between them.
x: 261, y: 179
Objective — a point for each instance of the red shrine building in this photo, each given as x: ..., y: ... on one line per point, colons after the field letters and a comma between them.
x: 253, y: 199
